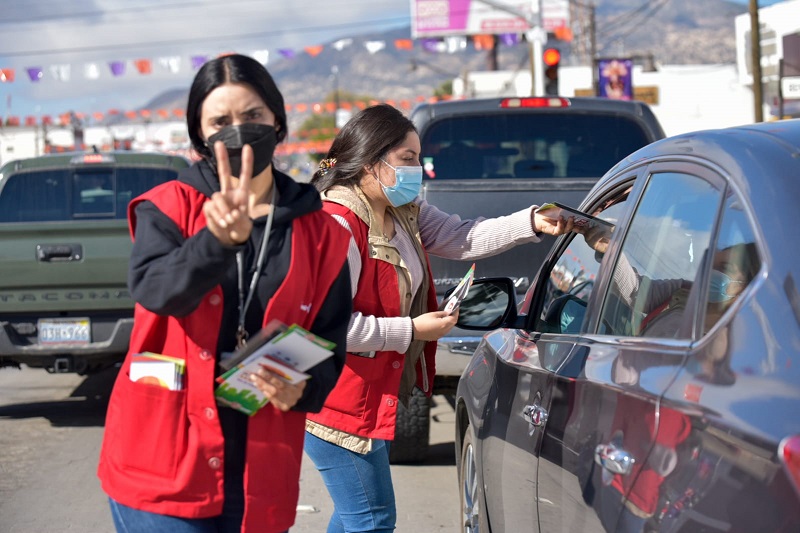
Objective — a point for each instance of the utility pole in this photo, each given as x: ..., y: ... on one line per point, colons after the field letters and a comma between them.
x: 593, y: 45
x: 755, y: 61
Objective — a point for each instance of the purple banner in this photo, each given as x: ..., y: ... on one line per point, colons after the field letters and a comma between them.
x: 615, y: 78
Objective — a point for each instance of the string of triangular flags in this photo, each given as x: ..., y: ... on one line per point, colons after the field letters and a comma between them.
x: 174, y: 64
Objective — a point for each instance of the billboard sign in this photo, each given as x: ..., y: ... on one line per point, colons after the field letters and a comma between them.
x: 615, y: 78
x: 439, y: 18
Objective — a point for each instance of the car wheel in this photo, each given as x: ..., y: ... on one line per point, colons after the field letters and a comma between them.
x: 412, y: 431
x: 471, y: 491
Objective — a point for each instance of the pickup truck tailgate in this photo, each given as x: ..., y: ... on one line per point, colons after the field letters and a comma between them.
x: 69, y: 267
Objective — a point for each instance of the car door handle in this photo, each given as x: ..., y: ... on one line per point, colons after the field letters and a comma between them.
x: 535, y: 415
x: 615, y: 460
x: 58, y: 252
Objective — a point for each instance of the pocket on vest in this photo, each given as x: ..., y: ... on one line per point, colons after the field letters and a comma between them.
x: 150, y: 428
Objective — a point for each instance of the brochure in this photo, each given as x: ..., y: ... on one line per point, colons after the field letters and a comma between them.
x: 157, y: 369
x: 288, y: 351
x: 454, y: 299
x: 556, y: 210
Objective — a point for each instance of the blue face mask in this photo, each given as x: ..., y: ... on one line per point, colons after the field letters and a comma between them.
x: 718, y: 289
x: 408, y: 181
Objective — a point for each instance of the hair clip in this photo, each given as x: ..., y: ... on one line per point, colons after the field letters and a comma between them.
x: 326, y: 164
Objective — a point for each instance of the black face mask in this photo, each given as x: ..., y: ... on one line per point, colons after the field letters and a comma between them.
x: 261, y: 137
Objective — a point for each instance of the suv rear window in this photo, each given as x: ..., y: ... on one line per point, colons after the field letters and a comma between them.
x: 528, y: 145
x: 52, y: 195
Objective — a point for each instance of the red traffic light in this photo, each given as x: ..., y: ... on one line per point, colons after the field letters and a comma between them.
x: 551, y: 57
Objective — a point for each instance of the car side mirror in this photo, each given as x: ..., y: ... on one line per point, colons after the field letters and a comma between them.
x: 565, y: 314
x: 489, y: 304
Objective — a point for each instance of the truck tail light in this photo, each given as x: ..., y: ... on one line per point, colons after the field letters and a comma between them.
x: 534, y: 101
x: 789, y: 452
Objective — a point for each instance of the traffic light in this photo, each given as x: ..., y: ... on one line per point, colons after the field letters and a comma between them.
x: 551, y: 57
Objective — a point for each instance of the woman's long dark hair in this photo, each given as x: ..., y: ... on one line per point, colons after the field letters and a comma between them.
x: 363, y: 141
x: 234, y: 68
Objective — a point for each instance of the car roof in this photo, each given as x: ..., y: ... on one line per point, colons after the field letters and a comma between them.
x: 742, y: 151
x: 760, y: 161
x: 78, y: 159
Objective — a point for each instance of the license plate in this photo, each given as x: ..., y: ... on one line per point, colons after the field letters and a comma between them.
x: 65, y: 331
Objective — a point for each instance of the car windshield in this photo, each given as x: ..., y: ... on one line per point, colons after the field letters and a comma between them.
x: 528, y: 145
x: 67, y: 194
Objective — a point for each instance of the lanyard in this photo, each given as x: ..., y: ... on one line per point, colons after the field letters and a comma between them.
x: 244, y: 302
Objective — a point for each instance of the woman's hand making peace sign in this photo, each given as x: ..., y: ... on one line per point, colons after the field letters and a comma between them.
x: 227, y: 212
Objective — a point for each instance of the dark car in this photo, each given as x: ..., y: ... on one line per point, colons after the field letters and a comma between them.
x: 490, y: 157
x: 665, y: 394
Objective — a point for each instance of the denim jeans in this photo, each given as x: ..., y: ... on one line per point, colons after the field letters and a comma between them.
x: 360, y: 485
x: 129, y: 520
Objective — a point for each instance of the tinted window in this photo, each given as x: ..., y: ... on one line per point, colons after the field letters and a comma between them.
x: 61, y: 194
x: 662, y: 253
x: 572, y: 280
x: 528, y: 145
x: 735, y: 262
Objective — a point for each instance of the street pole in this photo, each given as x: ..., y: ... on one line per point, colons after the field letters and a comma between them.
x: 335, y: 72
x: 755, y: 60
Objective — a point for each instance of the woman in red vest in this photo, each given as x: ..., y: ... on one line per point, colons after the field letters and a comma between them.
x: 217, y: 254
x: 369, y: 183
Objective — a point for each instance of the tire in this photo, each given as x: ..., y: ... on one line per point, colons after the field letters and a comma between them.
x: 413, y: 430
x: 470, y: 489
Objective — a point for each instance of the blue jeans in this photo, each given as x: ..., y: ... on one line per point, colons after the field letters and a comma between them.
x: 360, y: 485
x: 129, y: 520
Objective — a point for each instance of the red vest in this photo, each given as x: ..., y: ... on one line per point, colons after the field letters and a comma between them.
x: 364, y: 401
x: 163, y: 450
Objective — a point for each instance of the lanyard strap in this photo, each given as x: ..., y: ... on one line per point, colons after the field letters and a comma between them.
x: 244, y: 302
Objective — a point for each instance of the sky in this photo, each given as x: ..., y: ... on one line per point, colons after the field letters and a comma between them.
x: 49, y: 34
x: 76, y: 35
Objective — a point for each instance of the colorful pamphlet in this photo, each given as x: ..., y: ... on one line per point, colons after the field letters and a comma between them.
x: 556, y: 210
x: 156, y: 369
x: 287, y: 351
x: 454, y: 299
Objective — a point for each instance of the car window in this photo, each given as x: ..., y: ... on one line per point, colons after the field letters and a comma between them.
x: 64, y: 194
x: 735, y: 262
x: 571, y: 282
x: 528, y: 145
x: 661, y: 257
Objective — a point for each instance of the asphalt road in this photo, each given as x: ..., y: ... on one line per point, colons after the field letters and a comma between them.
x: 51, y: 426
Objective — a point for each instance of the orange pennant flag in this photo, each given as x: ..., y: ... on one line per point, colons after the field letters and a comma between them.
x: 314, y: 51
x: 144, y: 66
x: 7, y: 75
x: 563, y: 33
x: 483, y: 42
x: 404, y: 44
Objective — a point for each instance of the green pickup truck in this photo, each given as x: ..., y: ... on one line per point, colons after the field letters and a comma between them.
x: 64, y: 249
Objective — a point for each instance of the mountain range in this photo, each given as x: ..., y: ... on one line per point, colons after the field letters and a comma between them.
x: 673, y: 31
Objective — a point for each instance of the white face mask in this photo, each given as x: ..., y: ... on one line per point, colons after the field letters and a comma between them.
x: 408, y: 182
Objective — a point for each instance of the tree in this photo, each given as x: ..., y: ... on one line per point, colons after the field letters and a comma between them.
x: 445, y: 89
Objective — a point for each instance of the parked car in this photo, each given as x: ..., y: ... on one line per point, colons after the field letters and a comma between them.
x: 663, y: 396
x: 64, y: 250
x: 489, y: 157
